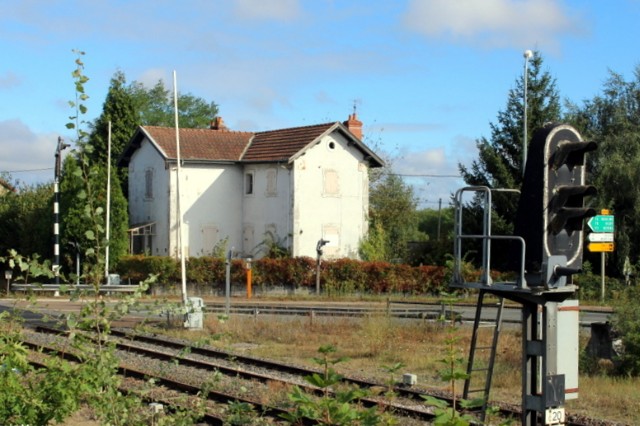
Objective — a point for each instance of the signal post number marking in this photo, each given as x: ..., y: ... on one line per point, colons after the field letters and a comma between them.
x: 554, y: 416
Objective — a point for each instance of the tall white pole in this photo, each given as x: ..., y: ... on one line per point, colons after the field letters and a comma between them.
x: 106, y: 258
x: 180, y: 227
x: 56, y: 211
x: 527, y: 55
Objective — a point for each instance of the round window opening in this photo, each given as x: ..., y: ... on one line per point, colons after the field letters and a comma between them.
x: 332, y: 145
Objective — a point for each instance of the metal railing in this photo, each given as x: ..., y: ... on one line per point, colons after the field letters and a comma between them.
x: 486, y: 236
x: 107, y: 288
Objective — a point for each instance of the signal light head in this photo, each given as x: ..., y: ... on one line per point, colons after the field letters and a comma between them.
x: 551, y: 211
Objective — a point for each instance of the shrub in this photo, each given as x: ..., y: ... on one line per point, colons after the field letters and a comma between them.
x: 338, y: 276
x: 626, y: 322
x: 137, y: 268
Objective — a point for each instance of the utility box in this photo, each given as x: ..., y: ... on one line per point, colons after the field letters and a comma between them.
x: 409, y: 379
x: 563, y: 346
x: 113, y: 279
x: 194, y: 314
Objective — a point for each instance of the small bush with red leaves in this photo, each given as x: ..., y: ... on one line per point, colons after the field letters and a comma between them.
x: 340, y: 275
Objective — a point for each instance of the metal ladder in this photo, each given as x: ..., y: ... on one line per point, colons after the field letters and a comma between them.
x: 482, y: 369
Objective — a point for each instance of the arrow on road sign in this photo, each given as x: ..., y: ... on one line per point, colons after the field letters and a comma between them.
x: 600, y: 237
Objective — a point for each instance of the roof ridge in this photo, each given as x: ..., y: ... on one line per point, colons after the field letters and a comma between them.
x: 330, y: 123
x: 202, y: 129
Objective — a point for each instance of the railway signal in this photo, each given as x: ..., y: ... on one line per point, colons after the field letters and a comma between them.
x: 551, y: 212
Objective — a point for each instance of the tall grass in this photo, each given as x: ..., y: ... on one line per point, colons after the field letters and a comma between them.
x: 375, y: 341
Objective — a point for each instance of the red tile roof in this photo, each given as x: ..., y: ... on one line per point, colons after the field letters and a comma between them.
x: 223, y: 145
x: 281, y: 145
x: 200, y: 144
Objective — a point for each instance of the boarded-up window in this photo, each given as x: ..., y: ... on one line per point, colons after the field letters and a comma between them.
x: 148, y: 184
x: 248, y: 243
x: 210, y: 237
x: 272, y: 182
x: 331, y: 184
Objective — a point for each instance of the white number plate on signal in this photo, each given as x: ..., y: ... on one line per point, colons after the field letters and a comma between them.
x: 554, y: 416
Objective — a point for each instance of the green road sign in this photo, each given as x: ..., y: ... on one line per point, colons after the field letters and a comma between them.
x: 601, y: 223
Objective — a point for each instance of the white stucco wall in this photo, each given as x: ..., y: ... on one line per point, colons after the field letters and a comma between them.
x: 211, y: 197
x: 267, y: 210
x: 322, y: 194
x: 155, y: 209
x: 330, y: 199
x: 211, y: 201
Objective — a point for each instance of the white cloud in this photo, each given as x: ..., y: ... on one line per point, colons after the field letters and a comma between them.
x: 493, y: 23
x: 465, y: 149
x: 433, y: 173
x: 430, y: 161
x: 410, y: 127
x: 27, y: 155
x: 150, y: 78
x: 276, y: 10
x: 322, y: 97
x: 9, y: 80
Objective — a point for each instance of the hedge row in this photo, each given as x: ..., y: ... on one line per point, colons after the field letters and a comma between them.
x: 342, y: 275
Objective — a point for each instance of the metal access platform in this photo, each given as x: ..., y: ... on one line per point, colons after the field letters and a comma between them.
x: 550, y: 340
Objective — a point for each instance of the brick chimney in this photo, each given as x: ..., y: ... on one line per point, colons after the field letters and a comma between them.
x: 218, y: 124
x: 354, y: 125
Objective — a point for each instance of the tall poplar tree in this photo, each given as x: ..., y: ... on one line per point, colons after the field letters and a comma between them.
x: 87, y: 169
x: 119, y: 109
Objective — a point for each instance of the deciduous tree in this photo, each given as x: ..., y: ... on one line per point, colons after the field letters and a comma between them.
x: 26, y: 220
x: 155, y: 107
x: 392, y: 206
x: 612, y: 119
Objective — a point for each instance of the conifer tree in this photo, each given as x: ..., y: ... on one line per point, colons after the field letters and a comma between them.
x: 499, y: 163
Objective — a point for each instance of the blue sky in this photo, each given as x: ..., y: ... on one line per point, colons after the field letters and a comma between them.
x: 427, y: 76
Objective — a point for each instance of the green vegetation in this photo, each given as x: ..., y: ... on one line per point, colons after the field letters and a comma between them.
x: 338, y: 277
x: 54, y: 388
x: 610, y: 118
x: 26, y: 220
x: 332, y: 408
x: 25, y: 216
x: 499, y: 163
x: 626, y: 323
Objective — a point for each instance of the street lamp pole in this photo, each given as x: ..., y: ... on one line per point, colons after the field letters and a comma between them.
x: 56, y: 211
x: 321, y: 242
x: 527, y: 55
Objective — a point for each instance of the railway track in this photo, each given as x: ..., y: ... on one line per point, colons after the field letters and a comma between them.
x: 241, y: 373
x: 136, y: 378
x: 407, y: 403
